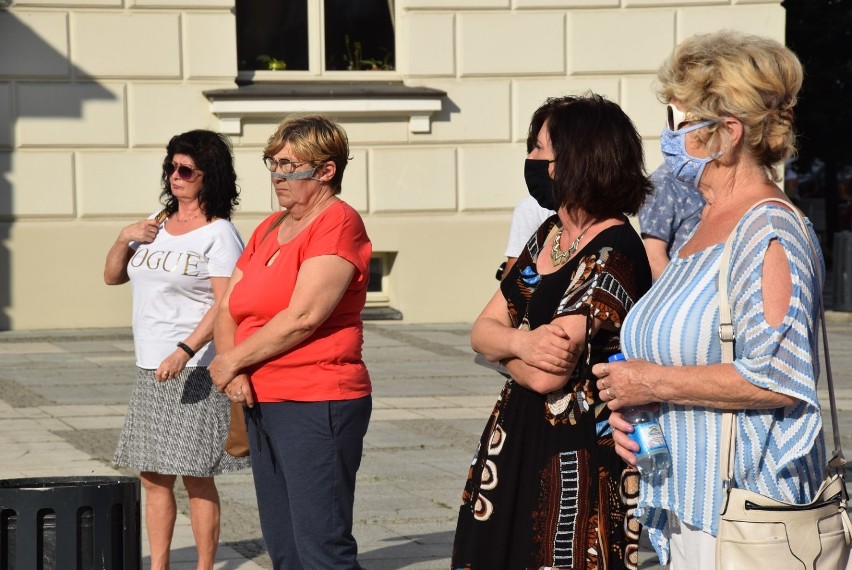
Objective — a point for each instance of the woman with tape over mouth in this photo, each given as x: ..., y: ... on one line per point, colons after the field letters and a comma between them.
x: 289, y: 335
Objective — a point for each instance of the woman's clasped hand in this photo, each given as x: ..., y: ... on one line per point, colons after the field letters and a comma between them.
x: 548, y: 348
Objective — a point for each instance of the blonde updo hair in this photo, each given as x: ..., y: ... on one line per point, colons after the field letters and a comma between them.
x: 731, y: 74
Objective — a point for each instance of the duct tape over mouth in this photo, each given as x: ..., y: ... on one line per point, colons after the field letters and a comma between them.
x: 299, y: 175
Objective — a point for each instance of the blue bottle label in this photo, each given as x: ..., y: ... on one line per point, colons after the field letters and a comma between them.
x: 649, y: 436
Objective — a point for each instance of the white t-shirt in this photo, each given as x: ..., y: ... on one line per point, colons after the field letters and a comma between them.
x: 170, y: 280
x: 526, y: 219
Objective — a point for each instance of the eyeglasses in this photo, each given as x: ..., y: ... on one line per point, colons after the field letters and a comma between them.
x: 284, y: 164
x: 185, y: 173
x: 676, y: 119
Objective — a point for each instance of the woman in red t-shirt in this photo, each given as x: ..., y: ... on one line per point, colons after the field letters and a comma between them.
x: 289, y: 336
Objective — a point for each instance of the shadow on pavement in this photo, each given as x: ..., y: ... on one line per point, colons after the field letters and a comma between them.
x: 408, y: 551
x: 187, y: 557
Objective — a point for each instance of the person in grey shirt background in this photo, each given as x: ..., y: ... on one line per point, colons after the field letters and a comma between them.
x: 667, y: 218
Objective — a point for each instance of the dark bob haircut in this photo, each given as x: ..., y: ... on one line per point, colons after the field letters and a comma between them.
x: 600, y: 164
x: 211, y: 153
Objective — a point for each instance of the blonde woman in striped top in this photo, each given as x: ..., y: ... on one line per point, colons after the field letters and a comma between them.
x: 730, y: 98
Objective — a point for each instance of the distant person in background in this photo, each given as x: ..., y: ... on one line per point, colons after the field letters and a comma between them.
x: 527, y: 216
x: 791, y: 180
x: 667, y: 217
x: 178, y: 263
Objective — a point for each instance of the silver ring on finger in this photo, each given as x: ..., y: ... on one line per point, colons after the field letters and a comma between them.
x: 238, y: 394
x: 609, y: 394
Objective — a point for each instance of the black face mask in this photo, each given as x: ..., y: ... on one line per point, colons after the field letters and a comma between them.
x: 539, y: 182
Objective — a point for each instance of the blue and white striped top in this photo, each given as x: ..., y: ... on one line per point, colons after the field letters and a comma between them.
x: 779, y: 452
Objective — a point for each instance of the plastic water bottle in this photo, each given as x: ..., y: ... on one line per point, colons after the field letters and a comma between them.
x: 653, y: 455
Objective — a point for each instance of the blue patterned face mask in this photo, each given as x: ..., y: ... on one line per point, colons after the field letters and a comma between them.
x: 684, y: 166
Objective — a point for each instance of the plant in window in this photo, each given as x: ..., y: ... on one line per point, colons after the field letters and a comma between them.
x: 355, y: 60
x: 272, y: 63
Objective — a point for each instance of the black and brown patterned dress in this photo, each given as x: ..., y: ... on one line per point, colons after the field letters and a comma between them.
x: 546, y: 489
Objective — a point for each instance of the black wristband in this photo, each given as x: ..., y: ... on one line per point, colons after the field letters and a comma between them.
x: 185, y: 347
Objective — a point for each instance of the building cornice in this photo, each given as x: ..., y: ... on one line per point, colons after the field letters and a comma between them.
x: 341, y: 99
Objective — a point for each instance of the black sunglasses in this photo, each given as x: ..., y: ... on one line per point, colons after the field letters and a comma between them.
x: 186, y: 173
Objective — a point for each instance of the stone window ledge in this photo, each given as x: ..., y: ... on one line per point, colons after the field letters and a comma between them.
x: 342, y: 99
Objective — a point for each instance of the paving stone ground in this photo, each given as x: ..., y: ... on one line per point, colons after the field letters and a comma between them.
x: 63, y: 397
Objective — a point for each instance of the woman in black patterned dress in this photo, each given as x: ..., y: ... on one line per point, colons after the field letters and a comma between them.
x: 545, y: 489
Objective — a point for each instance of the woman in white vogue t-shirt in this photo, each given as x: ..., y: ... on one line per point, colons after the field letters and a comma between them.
x: 178, y: 263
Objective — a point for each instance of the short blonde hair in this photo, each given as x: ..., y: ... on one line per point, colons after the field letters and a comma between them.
x: 314, y: 138
x: 732, y: 74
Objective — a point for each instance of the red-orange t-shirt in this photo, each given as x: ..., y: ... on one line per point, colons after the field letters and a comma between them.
x: 327, y: 365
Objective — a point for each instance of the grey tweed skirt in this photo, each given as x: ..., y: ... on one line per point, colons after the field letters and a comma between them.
x: 177, y: 427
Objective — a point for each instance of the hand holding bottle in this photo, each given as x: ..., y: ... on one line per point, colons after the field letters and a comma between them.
x: 652, y: 458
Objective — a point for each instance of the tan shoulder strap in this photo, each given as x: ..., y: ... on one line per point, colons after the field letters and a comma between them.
x: 274, y: 225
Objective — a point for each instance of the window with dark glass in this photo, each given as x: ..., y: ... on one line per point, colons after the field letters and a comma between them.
x: 359, y: 35
x: 377, y: 273
x: 272, y: 34
x: 356, y: 35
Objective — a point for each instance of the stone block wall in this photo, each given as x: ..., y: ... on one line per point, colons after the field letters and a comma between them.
x: 91, y: 92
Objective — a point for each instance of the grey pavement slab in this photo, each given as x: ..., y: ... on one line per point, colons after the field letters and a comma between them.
x: 63, y: 395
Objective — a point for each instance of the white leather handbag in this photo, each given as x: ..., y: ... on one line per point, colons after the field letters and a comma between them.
x: 756, y: 531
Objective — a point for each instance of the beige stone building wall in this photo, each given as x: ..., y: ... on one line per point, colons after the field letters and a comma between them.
x: 91, y: 92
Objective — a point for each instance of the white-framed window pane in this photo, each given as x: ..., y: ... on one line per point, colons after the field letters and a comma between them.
x: 272, y: 34
x: 378, y: 294
x: 359, y: 35
x: 377, y: 274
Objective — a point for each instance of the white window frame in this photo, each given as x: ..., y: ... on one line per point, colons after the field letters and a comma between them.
x: 231, y: 111
x: 316, y: 57
x: 381, y: 298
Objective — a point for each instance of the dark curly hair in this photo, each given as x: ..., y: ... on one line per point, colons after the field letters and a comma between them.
x: 211, y: 153
x: 600, y: 164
